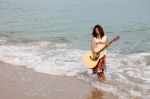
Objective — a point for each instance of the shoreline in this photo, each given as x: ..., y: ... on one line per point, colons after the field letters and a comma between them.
x: 23, y: 83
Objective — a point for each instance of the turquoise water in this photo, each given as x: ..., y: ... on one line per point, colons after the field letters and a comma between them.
x: 72, y: 21
x: 50, y: 37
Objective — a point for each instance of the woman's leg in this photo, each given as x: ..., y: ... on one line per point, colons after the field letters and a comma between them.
x: 101, y: 74
x: 103, y: 69
x: 94, y: 70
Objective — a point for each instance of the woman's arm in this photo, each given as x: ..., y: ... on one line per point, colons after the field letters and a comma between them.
x: 93, y: 45
x: 105, y: 43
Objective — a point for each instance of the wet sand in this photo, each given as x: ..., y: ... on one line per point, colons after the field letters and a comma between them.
x: 23, y: 83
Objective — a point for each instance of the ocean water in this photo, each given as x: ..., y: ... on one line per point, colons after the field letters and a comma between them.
x: 50, y: 36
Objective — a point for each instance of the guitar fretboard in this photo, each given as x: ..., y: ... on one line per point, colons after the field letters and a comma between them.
x: 104, y: 47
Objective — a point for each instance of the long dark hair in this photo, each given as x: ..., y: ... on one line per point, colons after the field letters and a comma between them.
x: 100, y: 29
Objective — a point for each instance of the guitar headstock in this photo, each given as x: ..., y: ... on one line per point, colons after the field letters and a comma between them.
x: 116, y: 38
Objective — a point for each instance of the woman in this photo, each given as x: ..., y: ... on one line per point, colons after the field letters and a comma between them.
x: 99, y: 40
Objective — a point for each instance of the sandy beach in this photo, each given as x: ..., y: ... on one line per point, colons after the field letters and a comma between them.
x: 42, y: 43
x: 22, y: 83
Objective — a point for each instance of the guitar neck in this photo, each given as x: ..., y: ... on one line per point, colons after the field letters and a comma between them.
x: 104, y: 47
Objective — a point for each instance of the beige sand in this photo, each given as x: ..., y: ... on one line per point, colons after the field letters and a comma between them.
x: 22, y: 83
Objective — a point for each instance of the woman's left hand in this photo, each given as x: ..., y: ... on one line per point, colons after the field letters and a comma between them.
x: 107, y: 44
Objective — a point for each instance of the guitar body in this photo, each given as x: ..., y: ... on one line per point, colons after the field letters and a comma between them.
x: 88, y: 62
x: 87, y: 58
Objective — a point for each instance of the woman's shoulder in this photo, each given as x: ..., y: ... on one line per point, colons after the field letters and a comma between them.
x: 93, y: 38
x: 104, y: 37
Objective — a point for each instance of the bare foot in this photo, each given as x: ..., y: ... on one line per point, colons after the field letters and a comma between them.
x: 101, y: 76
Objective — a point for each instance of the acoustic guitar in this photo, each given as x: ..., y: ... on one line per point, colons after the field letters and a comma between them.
x: 91, y: 62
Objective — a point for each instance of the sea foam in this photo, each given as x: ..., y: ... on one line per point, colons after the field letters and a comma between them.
x: 124, y: 72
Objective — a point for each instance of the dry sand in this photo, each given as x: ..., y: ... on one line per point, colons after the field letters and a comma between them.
x: 22, y: 83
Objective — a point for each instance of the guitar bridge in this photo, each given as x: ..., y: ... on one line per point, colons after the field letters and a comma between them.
x: 93, y: 59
